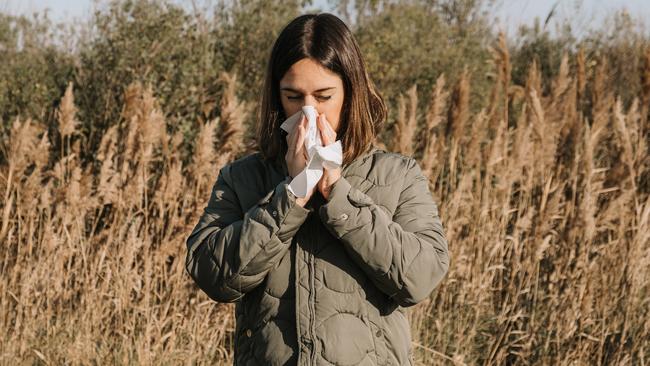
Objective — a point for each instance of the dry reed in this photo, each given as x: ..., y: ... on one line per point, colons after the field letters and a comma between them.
x: 543, y: 197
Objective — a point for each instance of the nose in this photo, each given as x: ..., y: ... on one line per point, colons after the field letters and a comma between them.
x: 310, y: 100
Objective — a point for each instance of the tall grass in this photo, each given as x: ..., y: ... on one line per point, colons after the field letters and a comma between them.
x: 544, y: 199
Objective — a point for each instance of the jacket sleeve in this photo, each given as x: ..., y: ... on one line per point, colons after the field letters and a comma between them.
x: 405, y: 256
x: 229, y: 252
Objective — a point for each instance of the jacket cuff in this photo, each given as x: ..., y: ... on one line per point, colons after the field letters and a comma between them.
x: 282, y: 206
x: 340, y: 213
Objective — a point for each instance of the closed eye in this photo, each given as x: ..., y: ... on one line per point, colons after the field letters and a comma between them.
x: 322, y: 97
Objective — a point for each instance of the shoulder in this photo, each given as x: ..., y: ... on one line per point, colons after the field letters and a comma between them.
x: 387, y: 168
x: 246, y: 169
x: 393, y: 159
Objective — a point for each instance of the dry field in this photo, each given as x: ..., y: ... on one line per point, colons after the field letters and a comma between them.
x: 543, y: 194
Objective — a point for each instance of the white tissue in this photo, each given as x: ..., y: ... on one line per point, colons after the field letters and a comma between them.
x: 330, y: 156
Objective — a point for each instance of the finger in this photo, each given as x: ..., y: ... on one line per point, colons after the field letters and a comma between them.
x: 291, y: 136
x: 299, y: 143
x: 295, y: 133
x: 304, y: 122
x: 305, y: 127
x: 321, y: 130
x: 291, y: 143
x: 325, y: 130
x: 329, y: 129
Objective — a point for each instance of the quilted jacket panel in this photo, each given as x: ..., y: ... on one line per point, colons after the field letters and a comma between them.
x: 324, y: 284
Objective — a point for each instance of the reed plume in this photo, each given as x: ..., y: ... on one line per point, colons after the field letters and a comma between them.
x: 542, y: 193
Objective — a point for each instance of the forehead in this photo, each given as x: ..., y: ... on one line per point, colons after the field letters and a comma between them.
x: 308, y: 75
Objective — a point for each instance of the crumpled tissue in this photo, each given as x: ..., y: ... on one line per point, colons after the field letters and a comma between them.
x: 319, y: 156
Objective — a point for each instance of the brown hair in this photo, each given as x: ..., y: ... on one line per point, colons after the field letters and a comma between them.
x: 325, y: 39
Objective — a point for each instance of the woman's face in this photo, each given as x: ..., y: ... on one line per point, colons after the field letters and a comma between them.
x: 309, y: 83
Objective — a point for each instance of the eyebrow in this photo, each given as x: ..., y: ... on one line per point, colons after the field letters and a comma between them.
x: 298, y: 91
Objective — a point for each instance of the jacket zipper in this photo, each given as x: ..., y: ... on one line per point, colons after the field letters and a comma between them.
x: 312, y: 295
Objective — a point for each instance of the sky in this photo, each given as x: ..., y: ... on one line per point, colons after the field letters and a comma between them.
x: 582, y: 13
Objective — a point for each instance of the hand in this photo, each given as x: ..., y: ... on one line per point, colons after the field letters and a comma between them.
x: 330, y: 176
x: 296, y: 156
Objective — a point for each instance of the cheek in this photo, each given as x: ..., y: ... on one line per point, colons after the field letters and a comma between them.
x: 333, y: 119
x: 334, y: 114
x: 289, y: 108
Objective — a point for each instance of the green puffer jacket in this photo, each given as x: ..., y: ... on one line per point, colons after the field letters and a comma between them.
x: 324, y: 284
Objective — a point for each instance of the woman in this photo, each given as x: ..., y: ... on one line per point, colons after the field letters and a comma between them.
x: 321, y: 279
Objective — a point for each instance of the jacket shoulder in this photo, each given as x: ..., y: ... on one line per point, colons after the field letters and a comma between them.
x: 245, y: 171
x: 251, y: 160
x: 387, y: 168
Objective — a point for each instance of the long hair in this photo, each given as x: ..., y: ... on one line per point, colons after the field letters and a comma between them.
x: 326, y: 39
